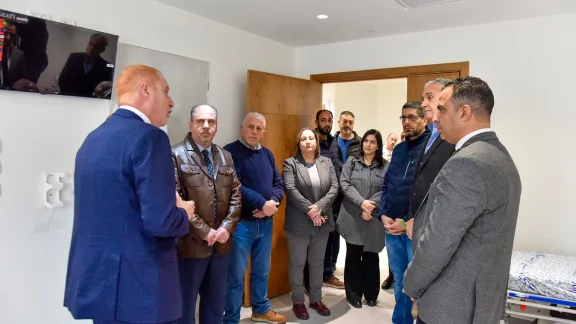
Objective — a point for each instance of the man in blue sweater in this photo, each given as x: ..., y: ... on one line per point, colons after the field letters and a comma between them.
x: 262, y: 192
x: 395, y: 200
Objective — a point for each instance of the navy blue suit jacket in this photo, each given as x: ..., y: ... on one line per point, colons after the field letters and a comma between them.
x: 122, y: 264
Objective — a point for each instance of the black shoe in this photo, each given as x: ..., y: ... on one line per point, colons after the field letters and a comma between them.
x: 387, y: 284
x: 371, y: 303
x: 355, y: 304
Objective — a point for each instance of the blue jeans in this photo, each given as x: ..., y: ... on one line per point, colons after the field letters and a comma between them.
x: 399, y: 248
x: 252, y: 239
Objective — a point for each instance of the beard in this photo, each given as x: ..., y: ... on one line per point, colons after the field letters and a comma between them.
x: 323, y: 131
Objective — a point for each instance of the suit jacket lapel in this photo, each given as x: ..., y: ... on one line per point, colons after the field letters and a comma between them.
x: 217, y: 160
x: 423, y: 202
x: 486, y: 137
x: 303, y: 171
x: 482, y: 137
x: 425, y: 157
x: 323, y: 174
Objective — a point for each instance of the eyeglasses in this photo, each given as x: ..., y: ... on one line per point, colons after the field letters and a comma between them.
x: 411, y: 117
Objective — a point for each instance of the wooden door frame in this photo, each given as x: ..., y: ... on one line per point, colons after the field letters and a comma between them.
x: 463, y: 68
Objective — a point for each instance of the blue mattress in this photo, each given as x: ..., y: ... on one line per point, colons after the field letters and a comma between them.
x: 542, y: 274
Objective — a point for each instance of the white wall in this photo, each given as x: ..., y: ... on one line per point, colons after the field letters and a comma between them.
x: 360, y: 98
x: 375, y: 104
x: 530, y: 66
x: 42, y: 133
x: 391, y: 96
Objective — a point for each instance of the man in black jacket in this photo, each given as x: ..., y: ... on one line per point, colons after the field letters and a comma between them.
x: 433, y: 156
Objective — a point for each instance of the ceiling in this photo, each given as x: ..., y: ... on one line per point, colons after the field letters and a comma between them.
x: 294, y: 22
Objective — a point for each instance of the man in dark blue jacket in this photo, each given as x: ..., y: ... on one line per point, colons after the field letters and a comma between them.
x: 122, y: 266
x: 262, y: 192
x: 395, y: 200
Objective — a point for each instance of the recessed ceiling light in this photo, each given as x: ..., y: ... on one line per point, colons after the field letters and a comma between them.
x: 322, y: 16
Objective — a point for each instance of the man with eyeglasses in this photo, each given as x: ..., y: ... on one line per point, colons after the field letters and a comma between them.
x: 394, y: 202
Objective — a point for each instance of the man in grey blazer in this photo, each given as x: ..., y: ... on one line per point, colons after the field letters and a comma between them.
x: 465, y: 226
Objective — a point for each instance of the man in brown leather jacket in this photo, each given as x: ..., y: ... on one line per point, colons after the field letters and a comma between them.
x: 205, y: 174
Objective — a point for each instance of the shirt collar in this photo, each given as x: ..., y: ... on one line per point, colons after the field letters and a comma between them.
x: 137, y: 112
x: 202, y: 148
x: 464, y: 139
x: 258, y: 146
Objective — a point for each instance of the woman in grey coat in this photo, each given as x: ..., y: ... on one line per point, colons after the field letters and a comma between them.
x: 361, y: 181
x: 311, y: 186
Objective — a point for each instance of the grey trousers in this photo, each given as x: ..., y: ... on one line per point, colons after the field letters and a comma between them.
x: 311, y: 248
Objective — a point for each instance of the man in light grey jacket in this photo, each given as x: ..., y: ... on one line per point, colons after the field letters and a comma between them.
x: 465, y: 227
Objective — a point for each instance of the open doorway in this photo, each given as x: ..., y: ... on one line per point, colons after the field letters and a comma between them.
x: 376, y: 104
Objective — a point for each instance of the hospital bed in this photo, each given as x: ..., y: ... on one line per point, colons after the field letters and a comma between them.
x: 540, y: 286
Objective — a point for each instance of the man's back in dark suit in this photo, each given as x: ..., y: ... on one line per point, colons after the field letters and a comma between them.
x: 122, y: 263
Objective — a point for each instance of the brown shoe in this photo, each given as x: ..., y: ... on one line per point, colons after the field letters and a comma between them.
x: 320, y: 308
x: 300, y: 311
x: 270, y: 317
x: 334, y: 283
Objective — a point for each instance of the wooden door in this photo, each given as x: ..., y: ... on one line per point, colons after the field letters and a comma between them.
x: 289, y: 104
x: 416, y: 83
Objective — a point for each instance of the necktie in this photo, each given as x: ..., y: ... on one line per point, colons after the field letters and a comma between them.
x: 210, y: 168
x: 208, y: 163
x: 431, y: 140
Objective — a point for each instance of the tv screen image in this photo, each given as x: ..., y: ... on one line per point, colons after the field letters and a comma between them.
x: 48, y: 57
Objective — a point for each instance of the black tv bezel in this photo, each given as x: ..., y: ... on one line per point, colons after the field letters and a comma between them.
x: 10, y: 15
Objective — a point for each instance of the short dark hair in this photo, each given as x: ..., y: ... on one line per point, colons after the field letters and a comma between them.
x: 101, y: 37
x: 346, y: 112
x: 321, y: 111
x: 474, y: 92
x: 414, y: 105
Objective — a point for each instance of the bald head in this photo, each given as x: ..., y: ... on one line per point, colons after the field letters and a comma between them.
x: 133, y: 76
x: 144, y: 88
x: 391, y: 141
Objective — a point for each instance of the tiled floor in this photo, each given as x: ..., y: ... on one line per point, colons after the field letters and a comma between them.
x: 335, y: 300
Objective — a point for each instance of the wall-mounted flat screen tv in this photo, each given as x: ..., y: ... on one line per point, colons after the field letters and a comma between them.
x: 48, y: 57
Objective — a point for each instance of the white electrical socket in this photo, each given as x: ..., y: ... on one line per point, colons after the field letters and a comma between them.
x: 52, y: 185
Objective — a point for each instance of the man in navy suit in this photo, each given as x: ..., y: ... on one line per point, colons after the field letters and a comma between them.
x: 122, y: 266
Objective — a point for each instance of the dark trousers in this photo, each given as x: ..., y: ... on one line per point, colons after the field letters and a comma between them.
x: 330, y: 257
x: 207, y: 277
x: 419, y: 321
x: 361, y: 274
x: 114, y: 322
